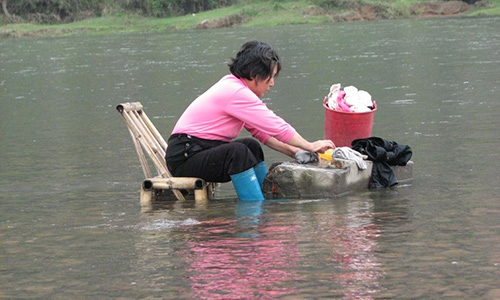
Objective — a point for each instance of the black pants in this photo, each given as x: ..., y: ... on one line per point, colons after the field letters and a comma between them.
x: 214, y: 161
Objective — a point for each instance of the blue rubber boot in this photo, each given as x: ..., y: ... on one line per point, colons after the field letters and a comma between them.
x: 247, y: 186
x: 260, y: 171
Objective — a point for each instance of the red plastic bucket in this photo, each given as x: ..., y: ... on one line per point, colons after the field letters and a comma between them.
x: 344, y: 127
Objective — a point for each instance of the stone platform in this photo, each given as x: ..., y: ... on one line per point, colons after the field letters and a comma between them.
x: 323, y: 179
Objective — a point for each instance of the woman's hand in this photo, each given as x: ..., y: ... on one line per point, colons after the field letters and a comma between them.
x: 321, y: 146
x: 315, y: 147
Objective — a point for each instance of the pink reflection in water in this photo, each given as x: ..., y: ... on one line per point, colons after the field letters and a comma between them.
x: 269, y: 260
x: 228, y: 265
x: 353, y: 246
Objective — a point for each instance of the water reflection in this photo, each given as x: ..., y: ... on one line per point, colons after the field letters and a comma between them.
x: 225, y: 264
x: 268, y: 250
x: 345, y: 238
x: 249, y: 212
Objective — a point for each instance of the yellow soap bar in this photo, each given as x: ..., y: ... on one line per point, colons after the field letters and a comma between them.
x: 327, y: 155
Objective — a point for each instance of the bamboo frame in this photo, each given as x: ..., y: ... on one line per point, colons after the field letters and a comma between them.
x: 147, y: 139
x: 180, y: 183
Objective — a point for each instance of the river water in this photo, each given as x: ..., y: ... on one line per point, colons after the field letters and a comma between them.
x: 70, y: 220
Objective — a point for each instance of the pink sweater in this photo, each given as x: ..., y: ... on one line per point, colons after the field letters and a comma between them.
x: 223, y: 110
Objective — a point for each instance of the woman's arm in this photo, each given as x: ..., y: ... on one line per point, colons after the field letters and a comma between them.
x: 317, y: 146
x: 298, y: 143
x: 286, y: 149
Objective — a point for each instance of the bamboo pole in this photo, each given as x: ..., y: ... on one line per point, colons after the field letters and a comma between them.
x: 146, y: 199
x: 155, y: 139
x: 200, y: 200
x: 148, y: 143
x: 140, y: 136
x: 148, y: 135
x: 142, y: 159
x: 154, y: 144
x: 127, y: 106
x: 201, y: 194
x: 180, y: 183
x: 123, y: 108
x: 155, y: 132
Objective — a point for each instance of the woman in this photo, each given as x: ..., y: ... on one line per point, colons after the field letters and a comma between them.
x: 202, y: 142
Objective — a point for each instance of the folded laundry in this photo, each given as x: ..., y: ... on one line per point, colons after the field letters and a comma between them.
x: 350, y: 154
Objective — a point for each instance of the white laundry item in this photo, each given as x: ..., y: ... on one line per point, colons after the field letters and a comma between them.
x: 365, y: 98
x: 333, y: 95
x: 351, y: 95
x: 360, y: 108
x: 335, y: 87
x: 349, y: 154
x: 351, y: 89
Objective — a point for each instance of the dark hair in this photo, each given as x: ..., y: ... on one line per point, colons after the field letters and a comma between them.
x: 255, y: 60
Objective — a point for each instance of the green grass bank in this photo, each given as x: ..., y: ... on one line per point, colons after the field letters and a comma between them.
x: 258, y: 14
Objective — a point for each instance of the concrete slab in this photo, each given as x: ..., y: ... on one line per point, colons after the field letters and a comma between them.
x: 322, y: 179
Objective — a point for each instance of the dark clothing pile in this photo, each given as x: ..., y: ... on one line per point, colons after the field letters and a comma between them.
x: 384, y: 154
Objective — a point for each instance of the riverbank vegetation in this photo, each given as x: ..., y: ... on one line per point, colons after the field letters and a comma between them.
x: 69, y: 17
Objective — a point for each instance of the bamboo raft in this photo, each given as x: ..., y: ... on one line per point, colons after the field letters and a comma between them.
x: 147, y: 139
